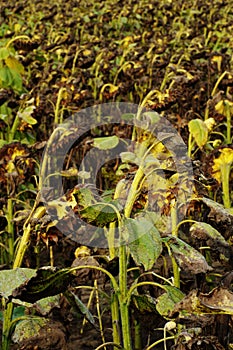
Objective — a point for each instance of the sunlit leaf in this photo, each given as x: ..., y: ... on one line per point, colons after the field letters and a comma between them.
x: 104, y: 143
x: 14, y: 64
x: 4, y: 53
x: 129, y: 157
x: 199, y: 131
x: 26, y: 115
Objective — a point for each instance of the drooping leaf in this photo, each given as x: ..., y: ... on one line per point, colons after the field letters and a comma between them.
x: 217, y: 212
x: 202, y: 230
x: 144, y: 303
x: 145, y: 243
x: 11, y: 279
x: 188, y: 258
x: 78, y: 304
x: 47, y: 281
x: 107, y: 142
x: 199, y: 131
x: 166, y: 301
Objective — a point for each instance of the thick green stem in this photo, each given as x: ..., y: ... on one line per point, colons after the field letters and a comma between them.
x: 10, y: 230
x: 228, y: 115
x: 124, y: 308
x: 115, y: 319
x: 176, y: 270
x: 14, y: 128
x: 6, y: 336
x: 225, y: 175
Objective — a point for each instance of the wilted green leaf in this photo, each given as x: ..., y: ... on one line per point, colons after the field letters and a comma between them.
x: 188, y: 258
x: 145, y: 242
x: 104, y: 143
x: 45, y: 282
x: 199, y: 131
x: 144, y: 303
x: 77, y: 303
x: 166, y: 302
x: 202, y: 230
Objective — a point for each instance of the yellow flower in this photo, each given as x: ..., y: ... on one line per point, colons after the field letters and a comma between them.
x: 224, y: 160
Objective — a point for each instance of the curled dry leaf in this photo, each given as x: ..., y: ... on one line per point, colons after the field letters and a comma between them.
x: 219, y: 301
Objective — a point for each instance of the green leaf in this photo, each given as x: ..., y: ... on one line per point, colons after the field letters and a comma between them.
x: 104, y: 143
x: 26, y: 115
x: 45, y: 305
x: 188, y: 258
x: 144, y: 303
x: 84, y: 197
x: 154, y: 117
x: 28, y: 328
x: 202, y: 230
x: 4, y: 53
x: 14, y: 64
x: 48, y: 281
x: 145, y: 242
x: 100, y: 214
x: 129, y: 157
x: 199, y: 131
x: 166, y: 302
x: 11, y: 279
x: 6, y: 77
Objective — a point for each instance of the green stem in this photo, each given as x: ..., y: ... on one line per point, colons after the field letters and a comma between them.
x: 225, y: 175
x: 6, y: 332
x: 115, y: 319
x: 176, y: 270
x: 57, y: 108
x: 228, y: 115
x: 17, y: 38
x: 161, y: 341
x: 10, y: 229
x: 124, y: 308
x: 14, y: 128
